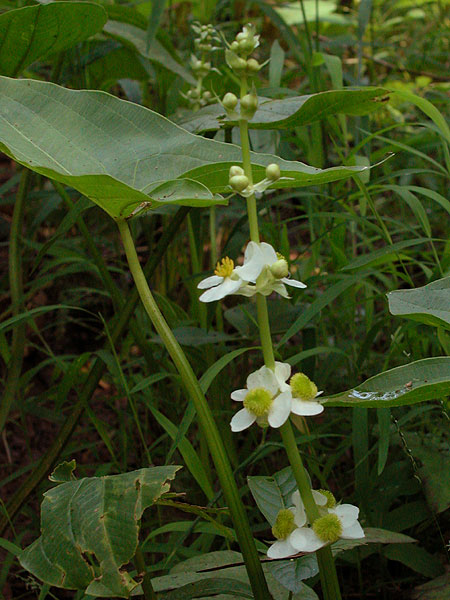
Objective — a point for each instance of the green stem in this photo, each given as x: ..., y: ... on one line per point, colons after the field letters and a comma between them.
x: 327, y: 569
x: 147, y: 588
x: 216, y: 447
x: 16, y: 290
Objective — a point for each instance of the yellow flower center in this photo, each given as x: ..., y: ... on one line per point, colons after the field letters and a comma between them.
x: 258, y: 401
x: 284, y: 524
x: 328, y: 528
x: 302, y: 387
x: 224, y: 268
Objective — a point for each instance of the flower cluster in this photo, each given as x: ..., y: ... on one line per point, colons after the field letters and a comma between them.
x: 269, y: 400
x: 205, y: 41
x: 294, y: 533
x: 264, y: 271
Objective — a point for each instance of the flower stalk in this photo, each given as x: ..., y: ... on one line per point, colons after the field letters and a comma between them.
x: 206, y: 420
x: 327, y: 569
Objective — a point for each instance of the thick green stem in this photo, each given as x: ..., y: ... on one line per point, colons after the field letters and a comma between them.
x: 216, y: 447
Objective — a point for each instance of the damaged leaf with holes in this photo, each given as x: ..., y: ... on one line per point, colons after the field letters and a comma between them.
x: 90, y: 530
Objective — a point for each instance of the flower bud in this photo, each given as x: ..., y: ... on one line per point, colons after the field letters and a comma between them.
x: 246, y: 46
x: 273, y: 172
x: 235, y: 170
x: 280, y: 268
x: 239, y: 182
x: 235, y: 62
x: 253, y: 65
x: 249, y: 105
x: 207, y: 95
x: 230, y: 101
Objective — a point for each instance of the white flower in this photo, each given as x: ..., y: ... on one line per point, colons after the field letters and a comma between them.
x: 224, y: 282
x: 267, y: 399
x: 340, y: 522
x: 304, y: 394
x: 267, y: 269
x: 285, y: 524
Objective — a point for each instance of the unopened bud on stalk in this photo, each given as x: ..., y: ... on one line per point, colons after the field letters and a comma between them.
x: 253, y: 65
x: 273, y: 172
x: 279, y: 269
x: 239, y: 182
x: 249, y: 105
x: 206, y: 95
x: 235, y: 62
x: 235, y: 170
x: 230, y: 101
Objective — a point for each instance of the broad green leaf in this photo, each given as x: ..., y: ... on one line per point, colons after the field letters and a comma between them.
x: 211, y: 587
x: 326, y: 13
x: 90, y: 530
x: 416, y: 558
x: 136, y: 38
x: 33, y: 32
x: 429, y: 304
x: 427, y: 379
x: 272, y: 494
x: 437, y: 589
x: 293, y: 111
x: 121, y: 155
x: 222, y: 564
x: 291, y: 573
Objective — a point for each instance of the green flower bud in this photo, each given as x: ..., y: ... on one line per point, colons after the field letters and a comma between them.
x: 284, y: 524
x: 246, y: 46
x: 239, y: 182
x: 280, y: 268
x: 206, y: 95
x: 273, y: 172
x: 235, y: 62
x: 235, y: 170
x: 253, y: 65
x: 328, y: 528
x: 230, y: 101
x: 302, y: 387
x: 249, y: 105
x: 234, y: 46
x: 258, y: 401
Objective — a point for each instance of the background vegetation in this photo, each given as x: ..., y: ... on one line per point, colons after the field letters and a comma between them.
x: 93, y: 383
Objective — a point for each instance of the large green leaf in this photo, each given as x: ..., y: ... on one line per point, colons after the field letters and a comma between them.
x: 273, y: 494
x: 136, y: 38
x: 292, y: 112
x: 90, y: 529
x: 30, y: 33
x: 427, y: 379
x: 120, y: 154
x: 429, y: 304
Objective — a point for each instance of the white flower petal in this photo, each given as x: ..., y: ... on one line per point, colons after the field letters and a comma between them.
x: 268, y: 253
x: 263, y: 378
x: 282, y: 372
x: 306, y: 408
x: 319, y: 498
x: 300, y: 517
x: 281, y: 549
x: 241, y: 420
x: 293, y: 282
x: 239, y: 395
x: 354, y: 532
x: 280, y: 410
x: 347, y: 513
x: 231, y: 285
x: 253, y: 263
x: 210, y: 282
x: 304, y: 539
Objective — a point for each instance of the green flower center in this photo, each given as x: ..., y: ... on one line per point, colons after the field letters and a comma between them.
x: 302, y: 387
x: 328, y: 528
x: 331, y: 500
x: 284, y: 524
x: 258, y: 401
